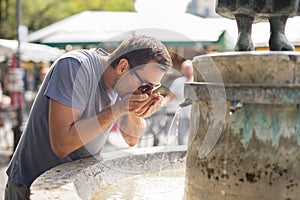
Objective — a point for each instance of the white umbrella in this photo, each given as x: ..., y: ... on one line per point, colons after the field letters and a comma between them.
x: 29, y: 51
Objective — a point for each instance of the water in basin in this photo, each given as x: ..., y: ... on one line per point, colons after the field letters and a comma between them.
x: 160, y: 185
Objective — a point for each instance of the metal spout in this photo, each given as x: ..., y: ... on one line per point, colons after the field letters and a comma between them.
x: 186, y: 102
x: 235, y: 105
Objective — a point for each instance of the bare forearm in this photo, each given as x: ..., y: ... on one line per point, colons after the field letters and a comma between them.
x: 79, y: 133
x: 68, y: 131
x: 89, y: 128
x: 131, y: 128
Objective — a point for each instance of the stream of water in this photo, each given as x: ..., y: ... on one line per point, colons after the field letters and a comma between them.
x: 159, y: 185
x: 169, y: 133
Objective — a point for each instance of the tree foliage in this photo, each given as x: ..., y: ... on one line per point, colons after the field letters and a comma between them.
x: 37, y: 14
x: 7, y: 22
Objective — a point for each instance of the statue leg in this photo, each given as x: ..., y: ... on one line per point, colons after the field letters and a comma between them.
x: 244, y: 41
x: 278, y: 40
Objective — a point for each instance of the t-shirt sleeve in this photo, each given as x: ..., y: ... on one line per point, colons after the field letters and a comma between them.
x: 68, y: 84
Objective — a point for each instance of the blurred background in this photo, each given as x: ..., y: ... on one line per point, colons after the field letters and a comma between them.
x: 33, y: 33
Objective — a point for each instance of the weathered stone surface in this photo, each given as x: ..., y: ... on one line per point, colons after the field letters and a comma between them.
x: 245, y: 93
x: 257, y: 153
x: 249, y: 67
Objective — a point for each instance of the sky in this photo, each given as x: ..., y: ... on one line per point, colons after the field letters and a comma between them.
x: 161, y: 5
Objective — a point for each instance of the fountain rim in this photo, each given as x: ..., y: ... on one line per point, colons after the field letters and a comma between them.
x: 243, y: 85
x: 247, y: 53
x: 243, y: 92
x: 61, y: 182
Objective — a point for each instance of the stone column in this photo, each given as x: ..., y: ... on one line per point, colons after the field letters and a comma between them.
x: 254, y: 152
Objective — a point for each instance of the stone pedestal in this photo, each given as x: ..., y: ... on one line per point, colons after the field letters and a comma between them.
x: 244, y: 142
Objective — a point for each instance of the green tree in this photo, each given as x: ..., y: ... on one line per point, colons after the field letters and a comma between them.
x: 8, y: 18
x: 37, y: 14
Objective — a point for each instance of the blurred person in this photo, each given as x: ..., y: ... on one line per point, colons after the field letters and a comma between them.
x: 43, y: 73
x: 5, y: 102
x: 176, y: 96
x: 84, y: 93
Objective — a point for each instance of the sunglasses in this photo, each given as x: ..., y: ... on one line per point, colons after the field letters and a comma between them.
x: 144, y: 87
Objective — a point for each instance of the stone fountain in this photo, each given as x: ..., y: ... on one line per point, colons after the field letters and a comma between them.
x: 253, y: 150
x: 245, y: 138
x: 244, y: 142
x: 81, y: 179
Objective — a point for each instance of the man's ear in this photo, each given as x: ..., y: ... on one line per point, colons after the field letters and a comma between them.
x: 122, y: 67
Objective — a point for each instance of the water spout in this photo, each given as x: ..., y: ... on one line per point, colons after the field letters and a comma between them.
x: 186, y: 102
x: 235, y: 105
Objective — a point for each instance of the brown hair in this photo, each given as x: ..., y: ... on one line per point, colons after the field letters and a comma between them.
x: 139, y: 50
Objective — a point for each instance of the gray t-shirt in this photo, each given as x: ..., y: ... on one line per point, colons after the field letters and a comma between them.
x: 73, y: 80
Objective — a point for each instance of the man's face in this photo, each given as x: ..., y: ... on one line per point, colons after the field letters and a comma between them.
x: 187, y: 70
x: 140, y: 79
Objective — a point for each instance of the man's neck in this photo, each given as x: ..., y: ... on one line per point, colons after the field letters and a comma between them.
x: 190, y: 78
x: 109, y: 77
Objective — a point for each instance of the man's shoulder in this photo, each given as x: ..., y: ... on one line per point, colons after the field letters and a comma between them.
x: 86, y: 58
x: 79, y: 54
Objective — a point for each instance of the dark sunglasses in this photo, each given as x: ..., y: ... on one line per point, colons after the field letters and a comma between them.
x: 144, y: 86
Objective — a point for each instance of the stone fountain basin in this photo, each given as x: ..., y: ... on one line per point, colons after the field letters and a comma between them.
x: 81, y: 178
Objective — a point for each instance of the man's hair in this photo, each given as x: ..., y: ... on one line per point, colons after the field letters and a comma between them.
x: 139, y: 50
x: 188, y: 63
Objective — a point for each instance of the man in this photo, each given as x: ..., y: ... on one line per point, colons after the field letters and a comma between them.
x: 82, y: 96
x: 177, y: 95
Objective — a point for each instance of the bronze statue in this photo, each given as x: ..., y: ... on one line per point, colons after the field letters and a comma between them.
x: 246, y: 12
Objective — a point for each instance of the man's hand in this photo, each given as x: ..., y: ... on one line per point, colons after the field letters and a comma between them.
x: 140, y: 105
x: 153, y: 104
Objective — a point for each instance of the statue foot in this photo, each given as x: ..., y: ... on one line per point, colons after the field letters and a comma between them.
x: 279, y: 42
x: 244, y: 42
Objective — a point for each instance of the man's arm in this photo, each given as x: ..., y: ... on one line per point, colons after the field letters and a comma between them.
x: 131, y: 128
x: 69, y: 132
